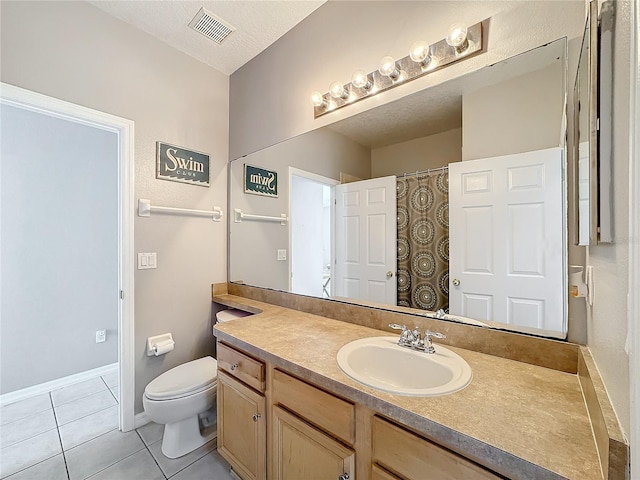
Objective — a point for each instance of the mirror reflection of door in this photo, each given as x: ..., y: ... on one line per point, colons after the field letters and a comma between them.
x: 366, y: 251
x: 311, y: 233
x: 506, y: 254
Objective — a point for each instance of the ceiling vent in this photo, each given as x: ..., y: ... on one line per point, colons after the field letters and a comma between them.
x: 211, y: 26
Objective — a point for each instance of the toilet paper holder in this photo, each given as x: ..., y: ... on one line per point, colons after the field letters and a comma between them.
x: 160, y: 344
x: 581, y: 282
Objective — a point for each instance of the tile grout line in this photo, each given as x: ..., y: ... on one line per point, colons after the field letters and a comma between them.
x: 149, y: 450
x: 116, y: 399
x: 79, y: 398
x: 8, y: 477
x: 85, y: 416
x: 26, y: 416
x: 31, y: 437
x: 87, y: 441
x: 199, y: 458
x: 64, y: 457
x: 114, y: 463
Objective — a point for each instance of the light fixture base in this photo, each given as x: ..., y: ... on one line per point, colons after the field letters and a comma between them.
x: 442, y: 54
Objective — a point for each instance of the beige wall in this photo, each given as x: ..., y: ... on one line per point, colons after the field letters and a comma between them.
x: 607, y: 322
x: 75, y: 52
x: 422, y: 153
x: 269, y: 96
x: 519, y: 115
x: 323, y: 152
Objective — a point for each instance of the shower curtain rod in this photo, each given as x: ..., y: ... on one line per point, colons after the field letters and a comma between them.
x: 427, y: 171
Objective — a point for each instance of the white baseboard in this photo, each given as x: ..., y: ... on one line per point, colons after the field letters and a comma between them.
x: 140, y: 420
x: 45, y: 387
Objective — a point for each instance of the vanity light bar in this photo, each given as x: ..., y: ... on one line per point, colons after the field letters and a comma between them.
x: 441, y: 54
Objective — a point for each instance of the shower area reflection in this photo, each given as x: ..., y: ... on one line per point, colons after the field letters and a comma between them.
x: 423, y: 239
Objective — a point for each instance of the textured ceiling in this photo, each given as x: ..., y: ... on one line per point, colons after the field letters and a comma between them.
x: 439, y: 108
x: 258, y: 24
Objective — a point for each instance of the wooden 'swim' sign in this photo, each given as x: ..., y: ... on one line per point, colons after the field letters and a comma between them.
x: 260, y: 181
x: 181, y: 165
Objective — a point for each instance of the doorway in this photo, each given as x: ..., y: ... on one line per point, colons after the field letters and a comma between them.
x: 68, y: 219
x: 311, y: 233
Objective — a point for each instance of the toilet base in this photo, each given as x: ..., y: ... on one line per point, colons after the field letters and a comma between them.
x: 184, y: 437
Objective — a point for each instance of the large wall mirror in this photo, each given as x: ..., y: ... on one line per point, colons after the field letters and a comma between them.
x: 450, y: 201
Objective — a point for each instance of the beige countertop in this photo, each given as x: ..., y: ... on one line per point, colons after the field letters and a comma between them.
x: 520, y: 420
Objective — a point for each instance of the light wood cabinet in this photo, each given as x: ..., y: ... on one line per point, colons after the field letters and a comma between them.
x: 243, y: 367
x: 379, y: 474
x: 241, y: 427
x: 326, y: 411
x: 301, y: 451
x: 312, y: 434
x: 412, y: 457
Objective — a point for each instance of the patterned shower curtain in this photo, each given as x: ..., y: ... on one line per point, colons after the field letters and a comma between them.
x: 423, y: 241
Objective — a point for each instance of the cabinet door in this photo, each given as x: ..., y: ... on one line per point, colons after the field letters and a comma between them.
x: 304, y: 452
x: 241, y: 428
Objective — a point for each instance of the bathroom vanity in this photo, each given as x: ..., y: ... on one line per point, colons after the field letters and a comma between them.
x: 287, y: 411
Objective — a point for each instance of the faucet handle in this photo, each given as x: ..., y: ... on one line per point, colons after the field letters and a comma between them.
x: 395, y: 326
x: 428, y: 345
x: 428, y: 334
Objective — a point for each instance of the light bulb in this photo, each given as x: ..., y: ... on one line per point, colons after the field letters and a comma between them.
x: 337, y: 90
x: 318, y: 100
x: 359, y: 79
x: 388, y: 68
x: 457, y: 37
x: 420, y: 53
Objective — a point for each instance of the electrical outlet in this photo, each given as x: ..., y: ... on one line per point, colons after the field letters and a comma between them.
x: 282, y: 254
x: 101, y: 336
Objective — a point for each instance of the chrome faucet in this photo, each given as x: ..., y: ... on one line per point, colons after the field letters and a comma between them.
x: 412, y: 338
x: 408, y: 338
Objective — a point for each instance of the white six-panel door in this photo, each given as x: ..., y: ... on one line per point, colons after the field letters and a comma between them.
x: 365, y: 240
x: 507, y: 261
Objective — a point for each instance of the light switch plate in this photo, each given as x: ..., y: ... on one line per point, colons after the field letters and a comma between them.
x: 282, y: 254
x: 147, y: 260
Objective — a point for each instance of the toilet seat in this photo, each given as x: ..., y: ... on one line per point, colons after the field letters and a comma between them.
x: 184, y: 380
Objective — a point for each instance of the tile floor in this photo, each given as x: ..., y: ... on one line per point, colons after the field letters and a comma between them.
x: 72, y: 434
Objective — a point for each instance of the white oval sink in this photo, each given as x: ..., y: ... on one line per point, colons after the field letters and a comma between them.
x: 379, y: 362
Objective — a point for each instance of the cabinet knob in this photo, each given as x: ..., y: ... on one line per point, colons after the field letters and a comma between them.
x: 344, y: 476
x: 256, y: 417
x: 234, y: 367
x: 456, y: 282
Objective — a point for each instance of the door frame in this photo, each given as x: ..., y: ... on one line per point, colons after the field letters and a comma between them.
x: 124, y: 129
x: 293, y: 171
x: 633, y: 307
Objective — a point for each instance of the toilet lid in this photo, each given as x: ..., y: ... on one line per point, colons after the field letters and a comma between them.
x: 184, y: 379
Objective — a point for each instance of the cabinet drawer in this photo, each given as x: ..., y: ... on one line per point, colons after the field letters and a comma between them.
x: 379, y: 474
x: 415, y: 458
x: 241, y: 366
x: 330, y: 413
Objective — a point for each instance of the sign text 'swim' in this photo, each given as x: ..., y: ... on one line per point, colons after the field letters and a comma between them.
x: 182, y: 165
x: 260, y: 181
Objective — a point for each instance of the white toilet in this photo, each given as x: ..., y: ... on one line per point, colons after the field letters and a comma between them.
x: 180, y: 396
